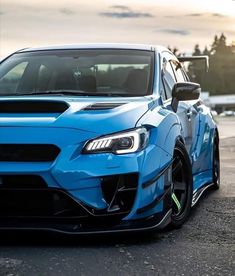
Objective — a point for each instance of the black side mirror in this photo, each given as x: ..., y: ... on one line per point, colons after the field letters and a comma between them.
x: 184, y: 91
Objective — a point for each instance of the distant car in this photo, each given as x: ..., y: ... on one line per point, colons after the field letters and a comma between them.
x: 102, y: 138
x: 227, y: 113
x: 214, y: 113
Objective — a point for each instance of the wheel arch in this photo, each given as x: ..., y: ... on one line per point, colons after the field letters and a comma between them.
x: 217, y: 134
x: 174, y: 135
x: 180, y: 139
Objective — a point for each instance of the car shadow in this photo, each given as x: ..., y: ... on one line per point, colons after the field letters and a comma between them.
x: 49, y: 239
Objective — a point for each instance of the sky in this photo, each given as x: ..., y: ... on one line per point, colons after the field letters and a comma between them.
x: 175, y: 23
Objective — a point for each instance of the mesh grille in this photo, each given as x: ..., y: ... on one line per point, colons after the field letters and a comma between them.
x: 28, y: 152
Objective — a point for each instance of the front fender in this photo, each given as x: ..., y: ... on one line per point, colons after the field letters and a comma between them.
x: 173, y: 135
x: 166, y: 128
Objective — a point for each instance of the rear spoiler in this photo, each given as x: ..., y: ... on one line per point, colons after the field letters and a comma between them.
x: 196, y: 58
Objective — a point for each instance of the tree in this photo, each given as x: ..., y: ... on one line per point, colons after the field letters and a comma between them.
x: 196, y: 69
x: 214, y: 45
x: 197, y: 51
x: 174, y: 50
x: 221, y: 75
x: 206, y: 52
x: 222, y: 62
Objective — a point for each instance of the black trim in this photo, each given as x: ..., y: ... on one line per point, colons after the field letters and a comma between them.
x: 198, y: 193
x: 155, y: 178
x: 155, y: 222
x: 103, y: 106
x: 153, y: 203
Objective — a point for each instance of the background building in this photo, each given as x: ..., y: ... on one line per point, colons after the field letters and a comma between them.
x: 219, y: 103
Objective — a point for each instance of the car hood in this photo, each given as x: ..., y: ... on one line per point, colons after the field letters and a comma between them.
x: 93, y: 114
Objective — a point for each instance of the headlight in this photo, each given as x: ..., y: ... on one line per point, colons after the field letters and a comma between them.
x: 125, y: 142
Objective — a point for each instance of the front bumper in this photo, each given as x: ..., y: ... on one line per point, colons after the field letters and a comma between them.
x: 108, y: 188
x: 77, y: 220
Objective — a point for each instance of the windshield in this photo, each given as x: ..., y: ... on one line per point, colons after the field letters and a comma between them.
x: 86, y: 72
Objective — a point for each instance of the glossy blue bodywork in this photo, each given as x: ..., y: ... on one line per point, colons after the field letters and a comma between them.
x: 81, y: 174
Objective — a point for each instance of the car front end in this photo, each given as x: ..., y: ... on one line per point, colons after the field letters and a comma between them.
x: 80, y: 160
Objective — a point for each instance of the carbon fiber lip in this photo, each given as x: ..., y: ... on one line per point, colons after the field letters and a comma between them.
x: 151, y: 224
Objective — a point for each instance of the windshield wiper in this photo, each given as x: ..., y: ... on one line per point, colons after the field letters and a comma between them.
x: 72, y: 93
x: 55, y: 92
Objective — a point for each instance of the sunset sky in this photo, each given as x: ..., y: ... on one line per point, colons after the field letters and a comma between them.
x: 181, y: 23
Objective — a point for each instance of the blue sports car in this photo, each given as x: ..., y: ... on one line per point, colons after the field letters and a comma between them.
x: 102, y: 138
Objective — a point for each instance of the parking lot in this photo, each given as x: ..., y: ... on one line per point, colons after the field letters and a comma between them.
x: 205, y: 245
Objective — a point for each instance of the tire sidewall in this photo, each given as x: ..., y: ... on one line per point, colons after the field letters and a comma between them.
x: 177, y: 221
x: 216, y: 178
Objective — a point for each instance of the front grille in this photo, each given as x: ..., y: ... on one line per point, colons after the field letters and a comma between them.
x: 22, y: 181
x: 28, y: 152
x: 35, y: 203
x: 31, y: 203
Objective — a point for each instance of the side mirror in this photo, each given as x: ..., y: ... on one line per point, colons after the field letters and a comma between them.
x: 184, y: 91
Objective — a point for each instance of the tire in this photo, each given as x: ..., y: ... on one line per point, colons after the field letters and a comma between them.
x: 182, y: 186
x: 216, y: 164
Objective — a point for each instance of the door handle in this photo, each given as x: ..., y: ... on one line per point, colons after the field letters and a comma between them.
x: 189, y: 113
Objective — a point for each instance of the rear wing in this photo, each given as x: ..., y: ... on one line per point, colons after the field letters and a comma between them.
x: 205, y: 59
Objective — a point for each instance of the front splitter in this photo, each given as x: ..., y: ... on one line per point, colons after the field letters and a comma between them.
x: 153, y: 223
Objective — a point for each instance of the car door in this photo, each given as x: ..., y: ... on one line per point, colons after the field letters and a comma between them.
x: 186, y: 111
x: 200, y: 129
x: 171, y: 73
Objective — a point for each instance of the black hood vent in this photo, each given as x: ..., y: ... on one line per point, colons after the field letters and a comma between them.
x: 32, y: 106
x: 103, y: 106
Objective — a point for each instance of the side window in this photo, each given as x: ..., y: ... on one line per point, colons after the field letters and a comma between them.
x: 186, y: 77
x: 10, y: 81
x: 168, y: 78
x: 178, y: 72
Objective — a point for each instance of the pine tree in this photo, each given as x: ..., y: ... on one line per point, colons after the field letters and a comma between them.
x: 221, y: 75
x: 197, y: 51
x: 206, y: 52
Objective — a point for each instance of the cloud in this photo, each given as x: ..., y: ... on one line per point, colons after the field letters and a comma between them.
x: 174, y: 31
x: 195, y: 14
x: 217, y: 15
x: 66, y: 11
x: 186, y: 15
x: 121, y: 11
x: 205, y: 14
x: 123, y: 7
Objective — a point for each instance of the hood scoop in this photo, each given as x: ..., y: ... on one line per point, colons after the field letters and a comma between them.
x: 103, y: 106
x: 32, y: 106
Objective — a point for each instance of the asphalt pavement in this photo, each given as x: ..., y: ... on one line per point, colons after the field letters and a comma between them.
x: 205, y: 245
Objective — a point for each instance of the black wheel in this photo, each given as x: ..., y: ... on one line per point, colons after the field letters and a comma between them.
x: 182, y: 186
x: 216, y: 164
